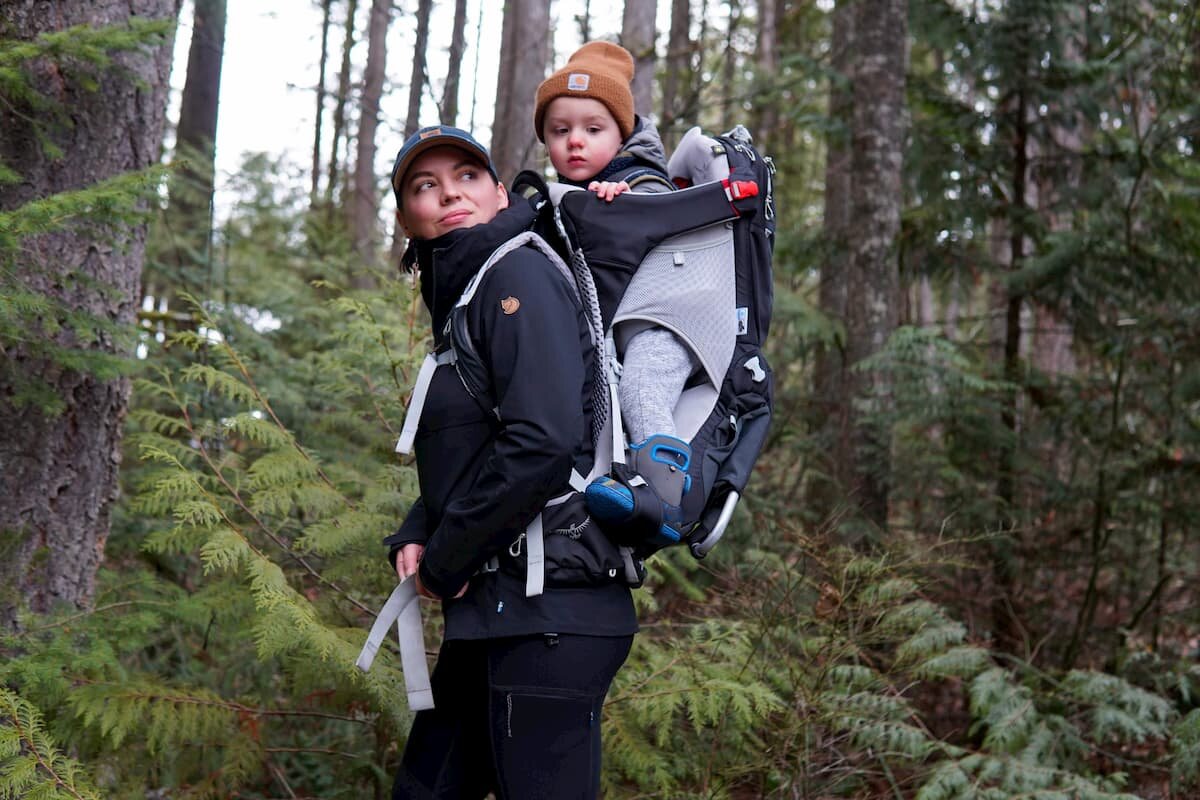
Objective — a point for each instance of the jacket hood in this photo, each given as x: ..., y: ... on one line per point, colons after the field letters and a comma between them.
x: 447, y: 264
x: 645, y: 144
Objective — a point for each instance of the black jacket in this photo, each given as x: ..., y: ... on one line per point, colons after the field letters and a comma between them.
x: 484, y: 479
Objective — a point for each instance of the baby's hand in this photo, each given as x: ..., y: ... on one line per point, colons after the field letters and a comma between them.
x: 608, y: 189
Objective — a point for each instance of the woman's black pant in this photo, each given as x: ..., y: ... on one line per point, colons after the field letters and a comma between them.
x: 518, y: 716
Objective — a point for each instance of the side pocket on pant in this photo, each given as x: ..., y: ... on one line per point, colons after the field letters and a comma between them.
x: 543, y: 741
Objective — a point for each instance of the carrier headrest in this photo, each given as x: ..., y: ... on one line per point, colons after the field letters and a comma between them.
x: 697, y: 159
x: 559, y: 190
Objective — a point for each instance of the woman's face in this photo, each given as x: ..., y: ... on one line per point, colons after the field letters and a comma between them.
x: 447, y: 188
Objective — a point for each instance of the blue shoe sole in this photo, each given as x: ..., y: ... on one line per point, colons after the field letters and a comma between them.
x: 609, y: 502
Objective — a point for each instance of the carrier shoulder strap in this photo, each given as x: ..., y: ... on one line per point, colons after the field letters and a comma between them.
x: 520, y: 240
x: 461, y: 351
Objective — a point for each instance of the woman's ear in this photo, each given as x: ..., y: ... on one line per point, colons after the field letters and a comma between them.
x: 501, y: 195
x: 403, y: 227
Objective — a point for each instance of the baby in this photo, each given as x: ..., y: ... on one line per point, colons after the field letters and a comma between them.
x: 584, y: 114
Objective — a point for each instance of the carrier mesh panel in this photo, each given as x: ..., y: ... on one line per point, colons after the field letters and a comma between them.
x: 687, y: 285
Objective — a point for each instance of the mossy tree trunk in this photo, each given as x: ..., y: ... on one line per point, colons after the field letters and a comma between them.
x: 873, y: 289
x: 58, y: 469
x: 830, y: 408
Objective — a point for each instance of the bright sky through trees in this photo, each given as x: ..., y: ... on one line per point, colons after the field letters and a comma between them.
x: 270, y: 71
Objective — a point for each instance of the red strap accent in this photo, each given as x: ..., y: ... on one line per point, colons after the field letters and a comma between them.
x: 681, y: 182
x: 742, y: 189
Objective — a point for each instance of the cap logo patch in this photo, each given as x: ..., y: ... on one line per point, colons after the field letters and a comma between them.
x: 578, y: 82
x: 509, y: 305
x: 431, y: 132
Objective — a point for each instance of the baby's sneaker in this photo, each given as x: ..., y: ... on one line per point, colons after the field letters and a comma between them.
x: 643, y: 496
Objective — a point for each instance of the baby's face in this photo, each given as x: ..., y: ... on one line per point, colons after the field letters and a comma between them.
x: 581, y: 135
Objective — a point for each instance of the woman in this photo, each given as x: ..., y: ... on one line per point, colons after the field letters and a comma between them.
x: 519, y: 681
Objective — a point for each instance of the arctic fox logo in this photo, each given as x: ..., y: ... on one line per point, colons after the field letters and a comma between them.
x: 574, y: 531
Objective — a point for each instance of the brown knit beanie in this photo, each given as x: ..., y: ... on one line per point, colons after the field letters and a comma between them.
x: 599, y: 70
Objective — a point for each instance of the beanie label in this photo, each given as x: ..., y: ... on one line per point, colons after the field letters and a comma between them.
x: 578, y: 81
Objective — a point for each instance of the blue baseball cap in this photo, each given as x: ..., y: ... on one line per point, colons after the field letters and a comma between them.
x: 437, y: 136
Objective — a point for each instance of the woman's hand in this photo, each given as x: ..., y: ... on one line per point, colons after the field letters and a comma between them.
x: 408, y: 558
x: 608, y: 189
x: 406, y: 564
x: 423, y: 592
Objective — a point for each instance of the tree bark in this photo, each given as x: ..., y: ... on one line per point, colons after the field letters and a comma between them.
x: 831, y: 405
x: 197, y: 132
x: 873, y: 289
x: 678, y: 63
x: 326, y: 6
x: 339, y: 109
x: 364, y: 218
x: 730, y: 89
x: 637, y: 36
x: 766, y: 101
x: 58, y: 472
x: 524, y: 55
x: 458, y: 44
x: 416, y: 84
x: 475, y: 73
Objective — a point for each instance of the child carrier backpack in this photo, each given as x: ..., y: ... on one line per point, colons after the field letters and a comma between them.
x: 716, y: 233
x: 698, y: 262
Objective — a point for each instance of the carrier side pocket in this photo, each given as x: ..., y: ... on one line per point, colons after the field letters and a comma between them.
x: 731, y: 439
x: 577, y: 551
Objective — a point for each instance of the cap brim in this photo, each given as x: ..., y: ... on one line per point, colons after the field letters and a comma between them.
x: 442, y: 140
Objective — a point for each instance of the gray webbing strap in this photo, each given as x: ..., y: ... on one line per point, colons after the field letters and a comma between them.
x: 402, y: 608
x: 631, y: 573
x: 618, y: 428
x: 412, y: 418
x: 535, y: 541
x: 535, y: 558
x: 520, y: 240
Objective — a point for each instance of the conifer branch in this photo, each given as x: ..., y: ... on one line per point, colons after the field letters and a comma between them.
x: 376, y: 407
x: 266, y: 405
x: 322, y: 750
x: 261, y: 524
x: 96, y: 610
x: 261, y: 399
x: 225, y: 705
x: 23, y: 719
